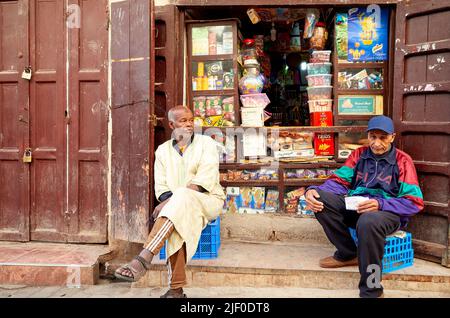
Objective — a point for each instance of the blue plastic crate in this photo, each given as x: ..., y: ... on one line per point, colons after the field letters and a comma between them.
x: 208, y: 245
x: 398, y: 252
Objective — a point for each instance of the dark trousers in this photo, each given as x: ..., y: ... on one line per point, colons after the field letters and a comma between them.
x: 372, y: 229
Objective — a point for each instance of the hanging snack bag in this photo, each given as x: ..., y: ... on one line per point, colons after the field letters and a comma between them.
x: 213, y: 106
x: 199, y: 106
x: 228, y: 109
x: 310, y: 23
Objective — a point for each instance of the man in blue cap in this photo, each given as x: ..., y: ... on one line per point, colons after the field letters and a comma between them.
x: 383, y: 180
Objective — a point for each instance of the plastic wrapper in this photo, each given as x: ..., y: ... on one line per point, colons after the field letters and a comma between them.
x: 213, y: 106
x: 295, y: 194
x: 214, y: 121
x: 228, y: 109
x: 199, y: 106
x: 310, y: 23
x: 321, y: 174
x: 271, y: 204
x: 199, y: 122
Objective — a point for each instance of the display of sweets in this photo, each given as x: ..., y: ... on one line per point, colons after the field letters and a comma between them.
x: 271, y: 201
x: 258, y: 194
x: 199, y: 106
x: 245, y: 175
x: 213, y: 106
x: 303, y: 208
x: 228, y: 109
x: 232, y: 204
x: 295, y: 194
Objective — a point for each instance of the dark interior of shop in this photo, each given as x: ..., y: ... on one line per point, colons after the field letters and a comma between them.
x: 284, y: 68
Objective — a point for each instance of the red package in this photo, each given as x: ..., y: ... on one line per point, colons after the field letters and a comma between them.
x: 323, y: 119
x: 324, y: 144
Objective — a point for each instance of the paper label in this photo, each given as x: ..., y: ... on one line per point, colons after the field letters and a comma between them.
x: 351, y: 203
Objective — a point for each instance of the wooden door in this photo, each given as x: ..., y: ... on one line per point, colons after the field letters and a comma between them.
x: 422, y: 116
x: 86, y: 216
x: 14, y: 119
x: 132, y: 47
x: 60, y: 114
x: 46, y: 122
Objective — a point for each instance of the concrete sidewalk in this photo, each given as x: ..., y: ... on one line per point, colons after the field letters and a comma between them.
x: 109, y: 289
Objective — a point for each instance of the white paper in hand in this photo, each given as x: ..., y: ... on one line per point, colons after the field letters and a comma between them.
x: 351, y: 203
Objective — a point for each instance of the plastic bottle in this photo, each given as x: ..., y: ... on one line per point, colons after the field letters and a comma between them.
x: 200, y: 69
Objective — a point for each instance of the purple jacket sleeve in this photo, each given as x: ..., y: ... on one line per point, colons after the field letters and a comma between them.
x: 399, y: 206
x: 331, y: 186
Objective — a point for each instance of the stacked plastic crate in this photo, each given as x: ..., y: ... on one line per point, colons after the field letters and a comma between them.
x: 398, y: 250
x: 208, y: 245
x: 319, y: 100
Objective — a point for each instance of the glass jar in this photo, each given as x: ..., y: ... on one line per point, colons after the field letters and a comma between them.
x: 319, y: 38
x: 252, y: 81
x: 248, y: 50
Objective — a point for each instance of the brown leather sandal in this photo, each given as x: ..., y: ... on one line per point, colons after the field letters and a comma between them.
x: 137, y: 275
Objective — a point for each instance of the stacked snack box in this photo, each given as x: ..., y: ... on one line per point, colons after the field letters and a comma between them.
x: 319, y: 100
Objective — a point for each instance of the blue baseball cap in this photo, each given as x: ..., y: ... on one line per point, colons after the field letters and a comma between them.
x: 383, y: 123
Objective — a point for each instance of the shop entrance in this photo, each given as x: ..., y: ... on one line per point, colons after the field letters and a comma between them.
x: 413, y: 41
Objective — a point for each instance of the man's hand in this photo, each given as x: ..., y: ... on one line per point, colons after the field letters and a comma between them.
x: 368, y: 206
x: 314, y: 205
x: 158, y: 209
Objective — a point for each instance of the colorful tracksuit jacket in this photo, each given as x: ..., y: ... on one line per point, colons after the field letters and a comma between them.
x: 391, y: 179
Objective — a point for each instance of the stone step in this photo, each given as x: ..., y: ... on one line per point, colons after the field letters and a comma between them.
x: 271, y: 227
x: 50, y: 264
x: 258, y: 264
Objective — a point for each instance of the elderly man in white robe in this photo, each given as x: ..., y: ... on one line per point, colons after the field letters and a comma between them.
x: 190, y: 195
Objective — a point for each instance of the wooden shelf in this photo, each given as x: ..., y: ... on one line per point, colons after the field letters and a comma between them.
x: 250, y: 183
x: 330, y: 129
x: 360, y: 65
x: 313, y: 165
x: 354, y: 117
x: 289, y: 51
x: 281, y: 165
x: 302, y: 182
x: 244, y: 166
x: 221, y: 92
x: 220, y: 57
x: 359, y: 91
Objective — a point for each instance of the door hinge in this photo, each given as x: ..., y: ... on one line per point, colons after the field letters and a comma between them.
x: 108, y: 18
x: 153, y: 119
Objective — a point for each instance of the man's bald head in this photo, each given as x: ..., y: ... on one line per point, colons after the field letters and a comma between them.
x: 174, y: 112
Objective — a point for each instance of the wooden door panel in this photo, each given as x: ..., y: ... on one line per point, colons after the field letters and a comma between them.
x: 132, y: 103
x: 88, y: 46
x: 422, y: 116
x: 14, y: 174
x: 47, y: 128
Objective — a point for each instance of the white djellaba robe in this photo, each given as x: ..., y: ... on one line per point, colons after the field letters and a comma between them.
x: 189, y: 210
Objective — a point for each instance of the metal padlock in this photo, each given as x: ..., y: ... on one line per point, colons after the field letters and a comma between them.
x: 27, y: 156
x: 27, y: 73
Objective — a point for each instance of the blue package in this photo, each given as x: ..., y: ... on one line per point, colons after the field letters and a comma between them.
x: 368, y: 34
